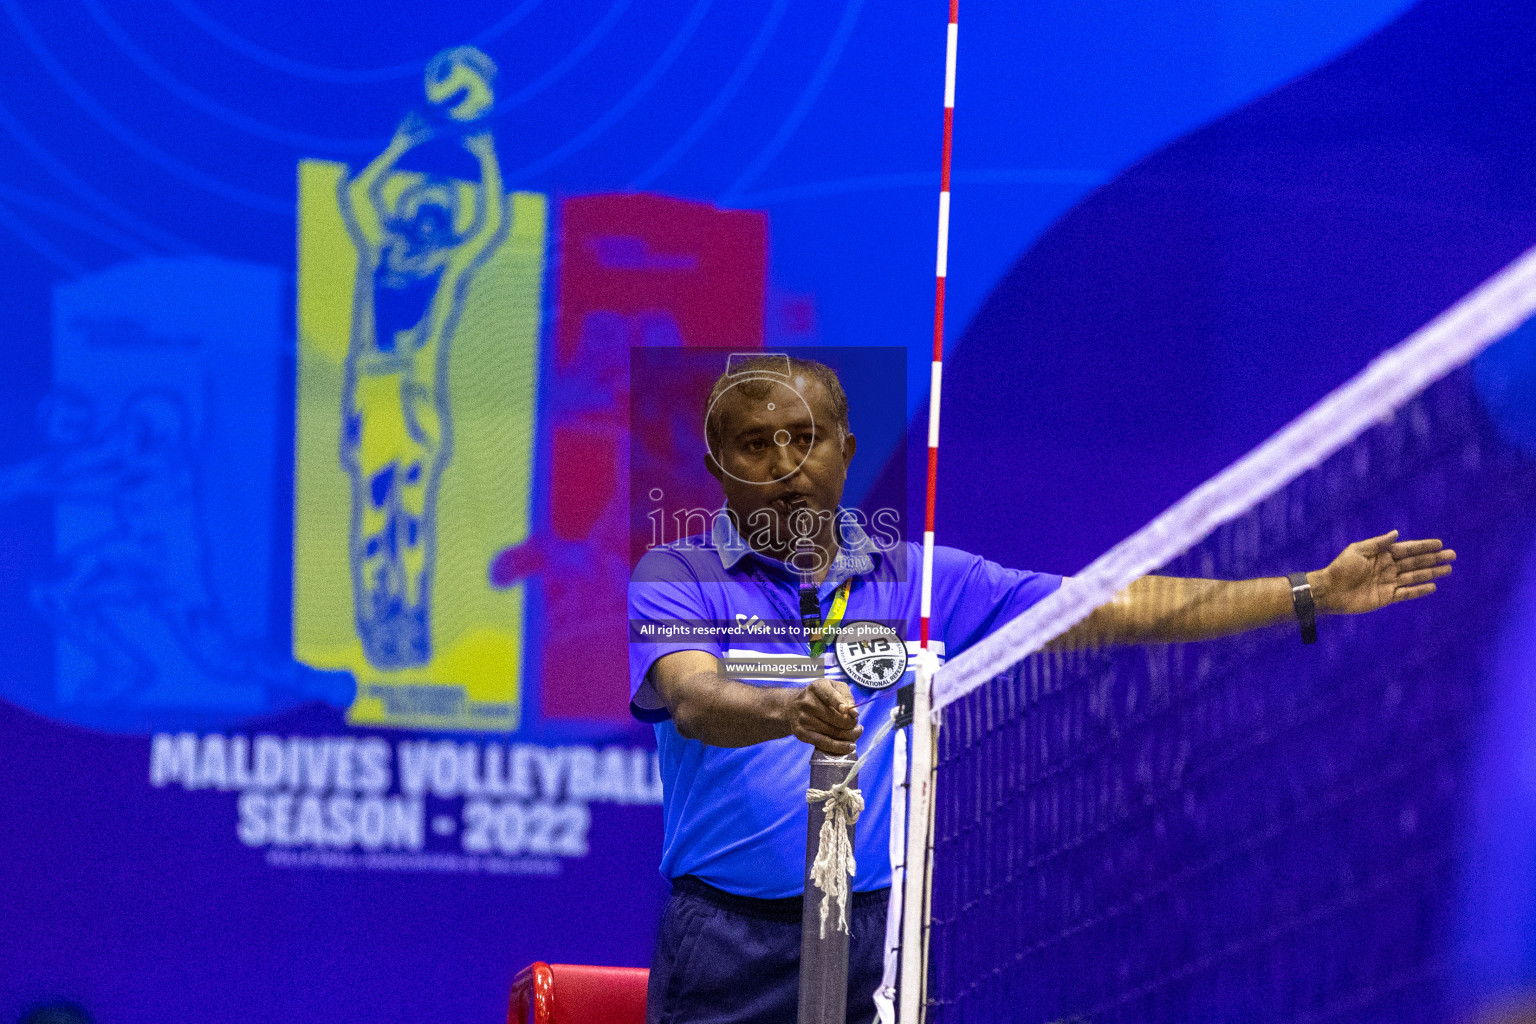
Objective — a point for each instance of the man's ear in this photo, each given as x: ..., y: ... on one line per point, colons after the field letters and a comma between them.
x: 850, y: 445
x: 713, y: 467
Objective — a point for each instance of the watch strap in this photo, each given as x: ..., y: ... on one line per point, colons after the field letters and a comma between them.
x: 1304, y: 606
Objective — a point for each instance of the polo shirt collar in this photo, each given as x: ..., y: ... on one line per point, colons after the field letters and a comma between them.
x: 856, y: 555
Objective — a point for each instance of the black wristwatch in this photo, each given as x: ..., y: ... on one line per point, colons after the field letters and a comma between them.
x: 1306, y: 608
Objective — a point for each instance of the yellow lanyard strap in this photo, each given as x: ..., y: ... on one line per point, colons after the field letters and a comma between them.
x: 839, y: 606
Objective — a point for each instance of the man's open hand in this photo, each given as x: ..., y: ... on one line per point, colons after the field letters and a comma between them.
x: 823, y: 715
x: 1372, y: 574
x: 413, y: 129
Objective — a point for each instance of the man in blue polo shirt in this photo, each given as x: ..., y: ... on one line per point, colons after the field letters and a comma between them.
x: 733, y: 745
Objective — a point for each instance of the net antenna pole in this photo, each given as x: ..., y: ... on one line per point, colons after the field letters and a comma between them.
x: 918, y: 861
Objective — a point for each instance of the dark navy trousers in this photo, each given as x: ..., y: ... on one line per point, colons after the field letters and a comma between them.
x: 727, y: 959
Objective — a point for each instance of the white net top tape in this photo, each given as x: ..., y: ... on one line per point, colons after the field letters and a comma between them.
x: 1487, y: 313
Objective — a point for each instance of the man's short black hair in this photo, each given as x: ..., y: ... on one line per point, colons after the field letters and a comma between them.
x: 761, y: 373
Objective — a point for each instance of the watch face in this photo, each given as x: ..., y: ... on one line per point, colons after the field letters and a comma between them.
x: 875, y: 657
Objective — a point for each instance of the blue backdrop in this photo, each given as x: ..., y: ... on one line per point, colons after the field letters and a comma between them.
x: 1174, y: 227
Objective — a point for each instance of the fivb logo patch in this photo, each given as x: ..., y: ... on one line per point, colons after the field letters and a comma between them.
x: 419, y: 298
x: 871, y: 654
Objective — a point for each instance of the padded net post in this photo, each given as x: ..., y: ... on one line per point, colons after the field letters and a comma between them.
x: 823, y: 959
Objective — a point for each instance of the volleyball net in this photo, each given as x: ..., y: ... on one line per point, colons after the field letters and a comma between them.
x: 1250, y: 828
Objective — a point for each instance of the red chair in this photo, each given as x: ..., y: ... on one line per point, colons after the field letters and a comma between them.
x: 578, y: 994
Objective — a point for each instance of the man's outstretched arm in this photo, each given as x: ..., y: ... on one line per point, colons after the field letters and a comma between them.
x: 362, y: 195
x: 492, y: 208
x: 707, y: 706
x: 1367, y: 575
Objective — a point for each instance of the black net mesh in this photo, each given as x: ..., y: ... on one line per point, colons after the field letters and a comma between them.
x: 1247, y: 829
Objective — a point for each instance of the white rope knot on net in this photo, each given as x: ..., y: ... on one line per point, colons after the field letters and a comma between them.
x: 834, y: 863
x: 840, y: 807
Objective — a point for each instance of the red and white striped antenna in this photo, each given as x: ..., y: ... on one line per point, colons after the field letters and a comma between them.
x: 917, y: 864
x: 941, y: 270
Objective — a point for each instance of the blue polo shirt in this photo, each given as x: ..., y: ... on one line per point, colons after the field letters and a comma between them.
x: 736, y: 817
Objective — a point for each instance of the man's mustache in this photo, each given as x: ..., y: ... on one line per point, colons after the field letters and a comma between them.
x: 791, y: 519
